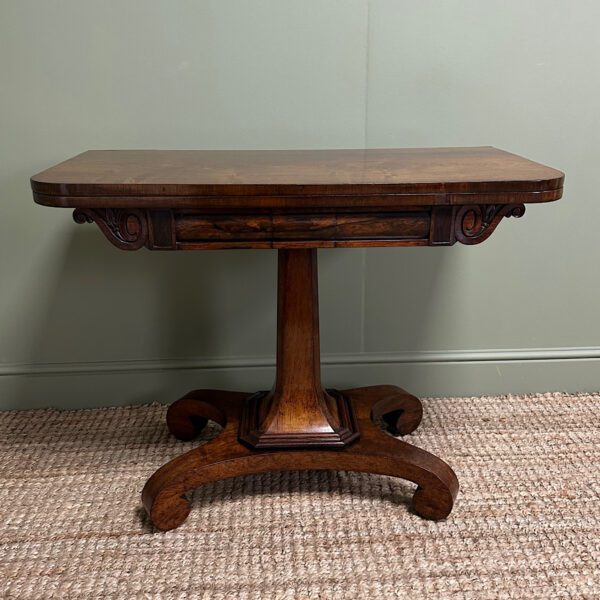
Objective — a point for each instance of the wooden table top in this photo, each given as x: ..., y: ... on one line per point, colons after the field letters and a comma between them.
x: 199, y: 199
x: 182, y: 178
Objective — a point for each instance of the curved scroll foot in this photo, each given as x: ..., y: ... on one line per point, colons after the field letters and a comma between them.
x: 169, y: 512
x: 437, y: 483
x: 400, y: 411
x: 189, y: 415
x: 164, y: 495
x: 434, y: 506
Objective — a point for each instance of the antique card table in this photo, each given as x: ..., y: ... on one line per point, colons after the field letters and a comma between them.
x: 296, y: 201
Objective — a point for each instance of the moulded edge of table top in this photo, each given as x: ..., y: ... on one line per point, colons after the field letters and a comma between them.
x: 295, y: 179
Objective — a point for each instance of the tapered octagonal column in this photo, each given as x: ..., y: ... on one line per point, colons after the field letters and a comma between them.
x: 298, y: 412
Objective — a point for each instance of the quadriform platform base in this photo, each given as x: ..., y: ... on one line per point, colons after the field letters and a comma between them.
x: 296, y: 202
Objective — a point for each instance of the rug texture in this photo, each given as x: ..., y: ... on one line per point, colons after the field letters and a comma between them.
x: 526, y: 523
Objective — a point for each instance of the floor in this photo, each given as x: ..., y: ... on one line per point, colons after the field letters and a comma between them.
x: 526, y: 523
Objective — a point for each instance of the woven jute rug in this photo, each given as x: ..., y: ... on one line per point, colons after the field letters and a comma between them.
x: 526, y: 523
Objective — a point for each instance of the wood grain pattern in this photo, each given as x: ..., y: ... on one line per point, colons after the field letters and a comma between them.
x: 298, y: 412
x: 298, y: 424
x: 195, y: 230
x: 297, y: 201
x: 197, y: 200
x: 134, y: 228
x: 164, y: 495
x: 293, y: 178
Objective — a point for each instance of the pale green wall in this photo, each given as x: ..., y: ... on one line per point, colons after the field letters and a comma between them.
x: 83, y: 324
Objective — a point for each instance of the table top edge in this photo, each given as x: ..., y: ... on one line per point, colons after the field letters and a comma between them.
x: 48, y: 183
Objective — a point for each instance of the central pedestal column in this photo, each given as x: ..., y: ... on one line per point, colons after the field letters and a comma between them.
x: 298, y: 412
x: 297, y: 425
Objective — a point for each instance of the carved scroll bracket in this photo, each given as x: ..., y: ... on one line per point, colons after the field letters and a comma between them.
x: 475, y: 223
x: 125, y: 228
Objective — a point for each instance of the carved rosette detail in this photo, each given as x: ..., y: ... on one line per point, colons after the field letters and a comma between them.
x: 475, y: 223
x: 125, y: 228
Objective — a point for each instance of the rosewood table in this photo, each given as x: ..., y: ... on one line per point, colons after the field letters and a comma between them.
x: 296, y: 201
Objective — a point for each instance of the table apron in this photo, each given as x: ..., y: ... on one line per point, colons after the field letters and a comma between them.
x: 189, y: 229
